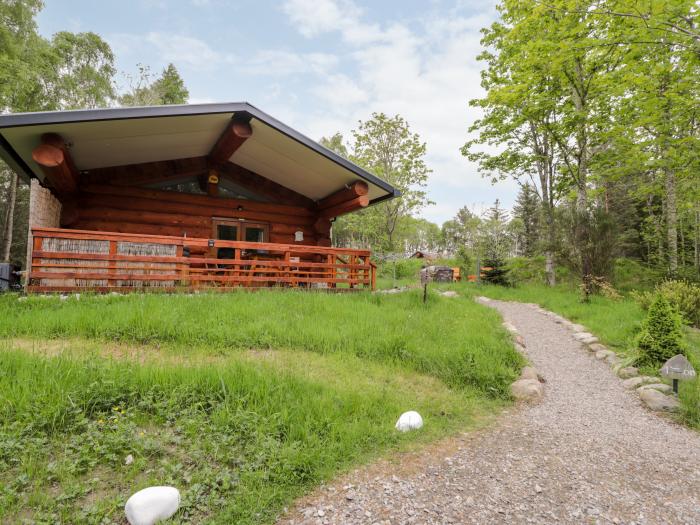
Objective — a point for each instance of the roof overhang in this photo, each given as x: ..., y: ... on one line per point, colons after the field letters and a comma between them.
x: 100, y: 138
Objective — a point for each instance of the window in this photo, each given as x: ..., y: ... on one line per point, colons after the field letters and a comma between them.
x: 233, y: 230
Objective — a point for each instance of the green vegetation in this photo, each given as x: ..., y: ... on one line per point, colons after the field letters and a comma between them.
x: 616, y: 322
x: 244, y: 401
x: 661, y: 337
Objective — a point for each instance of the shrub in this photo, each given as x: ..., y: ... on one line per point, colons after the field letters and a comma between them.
x: 661, y: 337
x: 497, y: 272
x: 682, y: 295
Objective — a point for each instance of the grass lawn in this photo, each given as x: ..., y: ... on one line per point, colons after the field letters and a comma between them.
x: 614, y: 322
x: 244, y: 401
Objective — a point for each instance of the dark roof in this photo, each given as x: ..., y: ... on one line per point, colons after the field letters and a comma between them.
x: 21, y: 164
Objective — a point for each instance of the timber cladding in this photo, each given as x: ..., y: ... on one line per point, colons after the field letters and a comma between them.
x: 128, y: 209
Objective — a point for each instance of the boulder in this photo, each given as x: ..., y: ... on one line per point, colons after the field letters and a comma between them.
x: 520, y: 340
x: 603, y: 354
x: 597, y: 347
x: 530, y: 372
x: 661, y: 387
x: 613, y: 360
x: 578, y: 328
x: 636, y: 382
x: 529, y: 390
x: 628, y: 372
x: 449, y: 293
x: 657, y: 401
x: 151, y: 505
x: 411, y: 420
x: 585, y: 337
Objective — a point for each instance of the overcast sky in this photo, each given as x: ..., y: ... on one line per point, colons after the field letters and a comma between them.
x: 318, y: 66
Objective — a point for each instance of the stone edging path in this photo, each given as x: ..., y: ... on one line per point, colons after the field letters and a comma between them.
x: 589, y: 452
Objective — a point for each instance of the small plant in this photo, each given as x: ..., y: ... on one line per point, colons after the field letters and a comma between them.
x: 661, y: 337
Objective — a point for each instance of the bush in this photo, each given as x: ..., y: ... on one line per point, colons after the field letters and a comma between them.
x: 497, y: 272
x: 682, y: 295
x: 405, y: 268
x: 661, y: 337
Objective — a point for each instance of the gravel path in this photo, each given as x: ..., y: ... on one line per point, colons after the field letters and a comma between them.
x: 589, y: 453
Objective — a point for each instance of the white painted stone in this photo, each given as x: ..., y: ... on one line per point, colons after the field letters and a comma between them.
x: 151, y: 505
x: 508, y: 326
x: 449, y: 293
x: 409, y: 421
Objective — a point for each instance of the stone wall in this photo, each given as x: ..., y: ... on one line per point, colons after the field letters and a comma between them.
x: 44, y: 211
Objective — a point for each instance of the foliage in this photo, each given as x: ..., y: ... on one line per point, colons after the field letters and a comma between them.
x: 169, y: 88
x: 386, y: 147
x: 527, y: 214
x: 681, y: 295
x: 495, y: 271
x: 661, y: 337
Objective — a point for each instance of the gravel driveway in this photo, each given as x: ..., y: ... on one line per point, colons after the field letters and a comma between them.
x: 589, y: 453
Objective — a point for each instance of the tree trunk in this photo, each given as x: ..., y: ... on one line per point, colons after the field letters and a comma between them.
x: 697, y: 238
x: 9, y: 223
x: 671, y: 221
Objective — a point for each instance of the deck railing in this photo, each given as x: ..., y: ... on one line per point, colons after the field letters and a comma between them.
x: 74, y: 260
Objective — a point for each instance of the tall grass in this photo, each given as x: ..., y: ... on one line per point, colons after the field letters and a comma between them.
x: 243, y: 401
x: 437, y: 338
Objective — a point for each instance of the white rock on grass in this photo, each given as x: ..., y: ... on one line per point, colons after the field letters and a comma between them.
x: 661, y: 387
x: 529, y: 390
x: 657, y: 401
x: 449, y: 293
x: 636, y: 382
x: 578, y: 328
x: 597, y: 347
x: 151, y: 505
x: 409, y: 421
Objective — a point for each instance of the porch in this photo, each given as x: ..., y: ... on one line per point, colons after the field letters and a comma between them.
x: 66, y: 260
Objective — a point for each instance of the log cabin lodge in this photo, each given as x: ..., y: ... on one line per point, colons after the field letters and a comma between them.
x: 191, y: 197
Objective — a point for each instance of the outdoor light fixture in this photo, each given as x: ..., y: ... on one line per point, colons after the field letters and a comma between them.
x: 298, y: 236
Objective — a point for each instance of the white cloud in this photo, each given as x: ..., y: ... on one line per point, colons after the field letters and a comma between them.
x: 182, y: 50
x: 426, y: 71
x: 282, y: 63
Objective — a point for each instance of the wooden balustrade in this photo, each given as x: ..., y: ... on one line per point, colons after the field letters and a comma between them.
x: 74, y: 260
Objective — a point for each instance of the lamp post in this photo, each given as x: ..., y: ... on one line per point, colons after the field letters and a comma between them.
x: 678, y: 368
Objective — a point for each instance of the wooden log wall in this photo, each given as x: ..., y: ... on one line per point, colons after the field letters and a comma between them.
x: 127, y: 209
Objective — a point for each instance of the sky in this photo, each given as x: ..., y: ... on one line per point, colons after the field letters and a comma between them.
x: 319, y: 66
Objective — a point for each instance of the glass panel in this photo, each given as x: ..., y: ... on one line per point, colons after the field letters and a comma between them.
x: 253, y: 234
x: 226, y: 232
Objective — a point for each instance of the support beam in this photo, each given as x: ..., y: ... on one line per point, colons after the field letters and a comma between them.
x: 53, y: 157
x: 346, y: 207
x: 263, y: 186
x: 230, y: 140
x: 349, y: 192
x: 213, y: 183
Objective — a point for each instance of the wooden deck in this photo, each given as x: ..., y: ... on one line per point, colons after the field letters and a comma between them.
x: 66, y: 260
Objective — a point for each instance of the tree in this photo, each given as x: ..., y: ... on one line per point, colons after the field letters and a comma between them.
x: 336, y: 144
x: 70, y: 70
x: 527, y: 212
x: 169, y: 88
x: 387, y: 147
x: 661, y: 336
